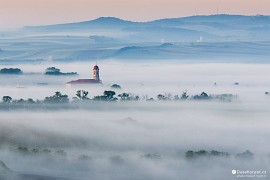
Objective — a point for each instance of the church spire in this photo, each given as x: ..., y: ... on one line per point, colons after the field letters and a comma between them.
x: 96, y: 73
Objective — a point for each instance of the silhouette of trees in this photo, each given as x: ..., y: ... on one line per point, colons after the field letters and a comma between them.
x: 20, y: 101
x: 107, y: 96
x: 11, y: 71
x: 6, y: 99
x: 161, y: 97
x: 247, y: 155
x: 124, y: 96
x: 203, y: 153
x: 30, y: 101
x: 202, y: 96
x: 56, y: 98
x: 82, y: 95
x: 166, y: 96
x: 184, y: 95
x: 128, y: 97
x: 116, y: 86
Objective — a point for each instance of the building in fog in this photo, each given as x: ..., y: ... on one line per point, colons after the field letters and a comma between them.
x: 95, y: 80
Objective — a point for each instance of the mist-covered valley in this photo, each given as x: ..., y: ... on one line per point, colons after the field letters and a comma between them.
x: 147, y: 141
x: 138, y: 139
x: 248, y: 81
x: 193, y: 101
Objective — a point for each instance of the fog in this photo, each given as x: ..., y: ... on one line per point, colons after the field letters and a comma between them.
x: 114, y: 143
x: 137, y: 140
x: 148, y: 139
x: 142, y: 78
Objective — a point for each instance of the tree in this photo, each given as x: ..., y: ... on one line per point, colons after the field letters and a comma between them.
x: 124, y: 96
x: 189, y: 154
x: 79, y: 94
x: 166, y: 96
x: 116, y: 86
x: 136, y: 98
x: 184, y: 95
x: 57, y: 98
x: 128, y: 97
x: 11, y: 71
x: 82, y: 95
x: 203, y: 153
x: 248, y: 155
x: 30, y: 101
x: 202, y: 96
x: 6, y: 99
x: 109, y: 94
x: 161, y: 97
x: 20, y: 101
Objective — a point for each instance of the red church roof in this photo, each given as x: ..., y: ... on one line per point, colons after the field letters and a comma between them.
x: 85, y: 81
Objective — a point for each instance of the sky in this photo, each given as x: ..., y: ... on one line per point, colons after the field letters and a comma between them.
x: 16, y: 13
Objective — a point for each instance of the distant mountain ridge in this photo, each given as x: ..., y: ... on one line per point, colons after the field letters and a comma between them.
x: 198, y: 18
x: 210, y: 28
x: 199, y: 37
x: 99, y: 22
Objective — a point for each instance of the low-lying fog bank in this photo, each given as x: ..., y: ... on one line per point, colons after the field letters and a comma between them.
x: 248, y: 81
x: 139, y: 139
x: 145, y: 141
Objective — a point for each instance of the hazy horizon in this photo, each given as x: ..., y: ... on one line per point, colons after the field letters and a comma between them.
x: 30, y: 12
x: 138, y: 139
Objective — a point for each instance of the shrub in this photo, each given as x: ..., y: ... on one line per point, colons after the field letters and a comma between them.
x: 116, y: 86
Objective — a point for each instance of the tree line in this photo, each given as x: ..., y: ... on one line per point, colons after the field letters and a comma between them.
x: 109, y: 95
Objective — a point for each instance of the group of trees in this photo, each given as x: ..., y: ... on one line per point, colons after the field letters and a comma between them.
x: 11, y: 71
x: 107, y: 96
x: 115, y: 86
x: 169, y: 96
x: 82, y: 95
x: 59, y: 98
x: 203, y: 153
x: 190, y: 155
x: 55, y: 71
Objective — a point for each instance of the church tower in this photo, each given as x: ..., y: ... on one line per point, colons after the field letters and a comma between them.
x: 96, y: 73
